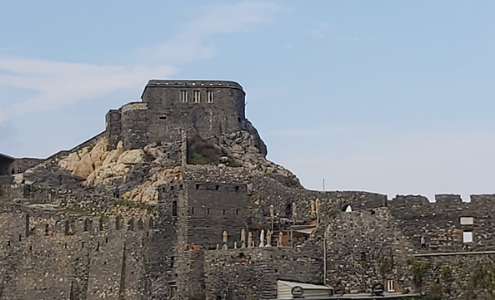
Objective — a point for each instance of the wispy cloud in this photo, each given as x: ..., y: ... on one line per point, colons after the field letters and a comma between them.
x: 194, y: 43
x: 58, y: 83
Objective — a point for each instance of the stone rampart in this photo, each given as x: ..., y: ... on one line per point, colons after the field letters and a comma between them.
x: 448, y: 224
x: 71, y: 258
x: 364, y: 248
x: 252, y: 273
x: 455, y: 276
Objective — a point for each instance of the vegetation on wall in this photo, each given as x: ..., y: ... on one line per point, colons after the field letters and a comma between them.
x: 202, y: 152
x: 483, y: 278
x: 386, y: 266
x: 418, y: 270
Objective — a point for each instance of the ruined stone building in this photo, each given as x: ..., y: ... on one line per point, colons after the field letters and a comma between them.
x: 177, y: 200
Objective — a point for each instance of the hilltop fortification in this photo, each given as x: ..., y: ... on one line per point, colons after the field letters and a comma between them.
x: 177, y: 200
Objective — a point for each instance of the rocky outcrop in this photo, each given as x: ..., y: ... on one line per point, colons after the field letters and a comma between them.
x: 139, y: 172
x: 243, y: 147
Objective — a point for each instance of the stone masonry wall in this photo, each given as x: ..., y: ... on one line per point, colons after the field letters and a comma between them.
x: 264, y: 191
x: 213, y: 208
x: 252, y: 273
x: 440, y: 222
x: 456, y: 276
x: 364, y: 248
x: 219, y: 108
x: 45, y: 257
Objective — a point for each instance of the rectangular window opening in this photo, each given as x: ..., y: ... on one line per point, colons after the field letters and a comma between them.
x: 210, y: 97
x: 192, y: 210
x: 207, y: 211
x: 390, y: 286
x: 467, y: 221
x: 183, y: 96
x: 467, y: 237
x: 197, y: 97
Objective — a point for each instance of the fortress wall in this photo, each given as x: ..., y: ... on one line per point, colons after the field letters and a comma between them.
x: 113, y: 127
x: 264, y: 191
x: 64, y: 153
x: 252, y: 273
x: 190, y: 274
x: 214, y: 208
x: 135, y: 125
x: 440, y: 222
x: 458, y: 276
x: 74, y: 202
x: 364, y: 248
x: 219, y: 109
x: 86, y: 258
x: 106, y: 269
x: 161, y: 251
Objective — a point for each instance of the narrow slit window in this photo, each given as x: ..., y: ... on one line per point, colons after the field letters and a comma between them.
x: 183, y: 96
x: 174, y: 208
x: 210, y: 97
x: 197, y: 97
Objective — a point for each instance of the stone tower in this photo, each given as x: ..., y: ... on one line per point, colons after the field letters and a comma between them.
x: 208, y: 108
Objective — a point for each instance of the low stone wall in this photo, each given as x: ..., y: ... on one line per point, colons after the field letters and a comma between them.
x: 252, y: 273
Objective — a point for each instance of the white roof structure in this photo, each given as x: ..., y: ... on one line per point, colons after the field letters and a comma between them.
x: 284, y: 290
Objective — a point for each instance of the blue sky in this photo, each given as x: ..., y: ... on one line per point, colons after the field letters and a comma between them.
x: 390, y: 96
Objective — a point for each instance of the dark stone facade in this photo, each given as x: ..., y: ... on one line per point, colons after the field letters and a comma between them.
x: 169, y: 107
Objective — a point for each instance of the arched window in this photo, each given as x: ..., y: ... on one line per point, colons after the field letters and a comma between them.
x: 347, y: 208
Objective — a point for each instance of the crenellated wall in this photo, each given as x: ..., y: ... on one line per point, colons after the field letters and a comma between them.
x: 440, y: 221
x: 53, y: 257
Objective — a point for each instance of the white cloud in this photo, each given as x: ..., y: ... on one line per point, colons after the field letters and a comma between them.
x: 193, y: 42
x: 58, y: 83
x: 63, y: 83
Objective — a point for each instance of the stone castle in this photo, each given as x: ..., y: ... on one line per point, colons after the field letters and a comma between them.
x: 177, y: 200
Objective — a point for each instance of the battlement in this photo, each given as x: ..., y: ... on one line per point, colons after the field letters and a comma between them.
x: 192, y: 84
x: 92, y: 226
x: 479, y: 203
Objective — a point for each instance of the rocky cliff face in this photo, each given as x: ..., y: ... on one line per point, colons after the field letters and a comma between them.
x: 137, y: 173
